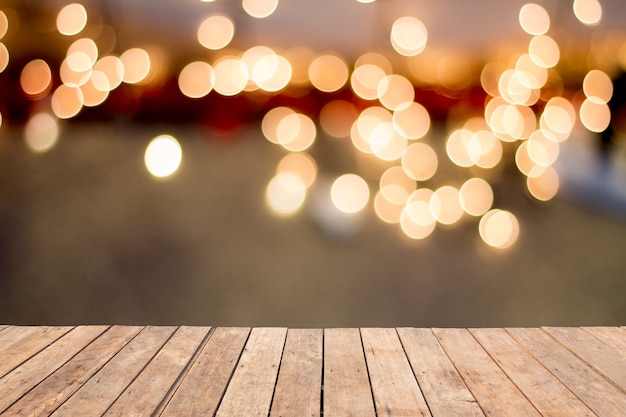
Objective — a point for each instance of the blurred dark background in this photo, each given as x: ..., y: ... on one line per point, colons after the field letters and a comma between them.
x: 88, y: 235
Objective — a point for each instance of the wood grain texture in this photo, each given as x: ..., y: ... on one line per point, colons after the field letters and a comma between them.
x: 594, y: 390
x: 252, y: 386
x: 493, y: 390
x: 442, y: 386
x: 394, y: 386
x: 347, y: 391
x: 298, y: 388
x: 46, y: 397
x: 145, y: 393
x: 202, y: 389
x: 26, y: 376
x: 23, y: 345
x: 542, y: 388
x: 97, y: 394
x: 594, y: 352
x: 612, y: 336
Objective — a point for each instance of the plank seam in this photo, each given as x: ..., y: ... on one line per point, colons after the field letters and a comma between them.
x: 585, y: 361
x: 322, y: 378
x: 280, y: 365
x: 141, y: 370
x: 413, y: 371
x: 56, y: 369
x: 369, y: 379
x: 504, y: 371
x: 39, y: 351
x: 232, y: 372
x: 551, y: 373
x: 183, y: 374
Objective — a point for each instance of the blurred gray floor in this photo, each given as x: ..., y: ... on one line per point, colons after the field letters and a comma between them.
x: 88, y: 236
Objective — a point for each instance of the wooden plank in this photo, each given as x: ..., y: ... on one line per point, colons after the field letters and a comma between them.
x: 600, y: 356
x: 612, y: 336
x: 23, y: 378
x: 298, y: 390
x: 13, y: 334
x: 493, y: 390
x: 3, y: 326
x: 21, y: 348
x: 347, y: 392
x: 542, y: 388
x: 599, y: 394
x: 145, y: 393
x: 252, y: 385
x: 202, y: 389
x: 58, y: 387
x: 444, y: 390
x: 394, y: 386
x: 97, y: 394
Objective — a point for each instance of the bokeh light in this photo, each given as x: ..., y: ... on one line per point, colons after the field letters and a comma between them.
x: 301, y: 164
x: 4, y: 24
x: 285, y: 193
x: 4, y: 57
x: 412, y: 122
x: 386, y: 143
x: 67, y: 101
x: 395, y: 92
x: 541, y: 150
x: 95, y: 90
x: 597, y: 86
x: 41, y: 132
x: 113, y: 68
x: 259, y: 8
x: 137, y: 64
x: 215, y: 32
x: 445, y: 205
x: 476, y: 196
x: 350, y: 193
x: 36, y: 78
x: 386, y: 210
x: 271, y: 120
x: 543, y: 183
x: 408, y: 36
x: 544, y: 51
x: 420, y: 161
x: 557, y: 119
x: 328, y: 73
x: 71, y: 19
x: 85, y: 52
x: 534, y: 19
x: 417, y: 220
x: 196, y: 79
x: 337, y: 117
x: 595, y: 116
x: 396, y: 186
x: 231, y: 76
x: 499, y: 228
x: 365, y: 79
x: 588, y: 12
x: 163, y: 156
x: 296, y: 132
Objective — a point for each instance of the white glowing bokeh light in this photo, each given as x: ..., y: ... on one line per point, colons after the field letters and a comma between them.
x: 588, y: 12
x: 301, y: 164
x: 163, y: 156
x: 408, y: 36
x: 543, y: 183
x: 67, y: 101
x: 417, y: 220
x: 396, y: 186
x: 386, y: 143
x: 259, y: 8
x: 395, y: 92
x: 412, y: 122
x: 196, y: 79
x: 529, y: 74
x: 328, y: 73
x: 137, y: 65
x: 420, y: 161
x: 71, y: 77
x: 595, y: 116
x: 476, y: 196
x: 216, y: 32
x: 36, y: 78
x: 41, y: 132
x: 541, y: 150
x: 4, y: 24
x: 456, y: 147
x: 285, y: 193
x: 95, y: 90
x: 544, y: 51
x: 557, y: 119
x: 534, y: 19
x: 279, y: 78
x: 271, y: 120
x: 86, y: 52
x: 71, y: 19
x: 350, y: 193
x: 499, y: 228
x: 365, y: 79
x: 597, y: 86
x: 113, y: 68
x: 445, y: 205
x: 296, y: 132
x: 386, y: 210
x: 231, y: 76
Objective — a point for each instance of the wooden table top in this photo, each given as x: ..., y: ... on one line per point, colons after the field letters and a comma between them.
x: 281, y: 372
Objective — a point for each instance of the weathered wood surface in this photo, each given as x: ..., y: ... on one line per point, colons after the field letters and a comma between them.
x: 279, y: 372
